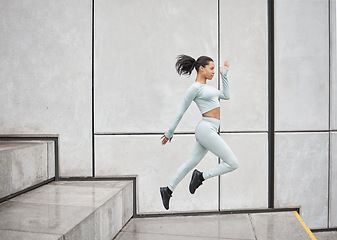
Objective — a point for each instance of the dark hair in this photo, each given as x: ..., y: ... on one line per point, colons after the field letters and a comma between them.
x: 185, y: 64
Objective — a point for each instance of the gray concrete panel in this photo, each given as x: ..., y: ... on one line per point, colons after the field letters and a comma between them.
x: 10, y: 235
x: 333, y: 66
x: 110, y: 217
x: 51, y: 159
x: 23, y: 164
x: 5, y: 173
x: 85, y: 230
x: 153, y: 236
x: 333, y: 179
x: 93, y: 184
x: 326, y: 235
x: 127, y: 203
x: 136, y: 86
x: 301, y: 175
x: 45, y: 62
x: 71, y: 195
x: 47, y: 218
x: 247, y: 186
x: 236, y: 226
x: 275, y: 226
x: 29, y: 166
x: 155, y: 166
x: 243, y: 41
x: 301, y: 65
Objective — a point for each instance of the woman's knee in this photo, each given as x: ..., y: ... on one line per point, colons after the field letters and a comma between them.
x: 233, y: 163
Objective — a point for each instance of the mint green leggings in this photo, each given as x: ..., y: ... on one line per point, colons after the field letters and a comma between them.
x: 207, y: 139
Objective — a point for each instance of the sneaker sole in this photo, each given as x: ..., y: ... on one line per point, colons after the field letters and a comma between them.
x: 162, y: 192
x: 194, y: 175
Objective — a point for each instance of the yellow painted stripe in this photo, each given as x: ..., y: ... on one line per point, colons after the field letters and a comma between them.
x: 305, y: 226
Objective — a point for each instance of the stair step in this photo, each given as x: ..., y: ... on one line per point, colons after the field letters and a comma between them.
x: 68, y: 209
x: 25, y: 164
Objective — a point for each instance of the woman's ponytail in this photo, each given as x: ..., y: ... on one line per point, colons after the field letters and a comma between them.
x: 185, y: 64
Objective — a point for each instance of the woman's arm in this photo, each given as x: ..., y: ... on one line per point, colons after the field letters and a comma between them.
x: 225, y: 88
x: 189, y: 96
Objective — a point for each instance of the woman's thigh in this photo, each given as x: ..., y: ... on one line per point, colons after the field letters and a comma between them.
x: 212, y: 141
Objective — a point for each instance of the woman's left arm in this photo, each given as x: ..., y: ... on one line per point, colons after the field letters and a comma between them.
x: 225, y: 88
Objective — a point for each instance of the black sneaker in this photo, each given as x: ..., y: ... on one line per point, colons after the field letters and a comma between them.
x: 166, y: 194
x: 196, y: 181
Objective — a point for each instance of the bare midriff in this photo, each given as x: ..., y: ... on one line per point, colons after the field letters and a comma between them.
x: 214, y: 113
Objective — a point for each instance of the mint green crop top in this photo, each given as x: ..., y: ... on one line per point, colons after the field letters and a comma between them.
x: 205, y: 96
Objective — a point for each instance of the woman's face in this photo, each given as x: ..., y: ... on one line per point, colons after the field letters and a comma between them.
x: 209, y: 70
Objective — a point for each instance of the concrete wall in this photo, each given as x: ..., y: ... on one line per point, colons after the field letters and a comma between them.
x: 46, y: 88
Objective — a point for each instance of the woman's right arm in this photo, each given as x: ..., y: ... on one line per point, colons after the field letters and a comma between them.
x: 225, y: 89
x: 189, y: 96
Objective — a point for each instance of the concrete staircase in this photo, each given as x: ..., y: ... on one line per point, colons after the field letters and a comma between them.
x: 61, y: 209
x: 68, y: 210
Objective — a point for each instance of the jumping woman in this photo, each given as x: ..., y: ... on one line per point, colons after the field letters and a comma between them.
x: 206, y: 133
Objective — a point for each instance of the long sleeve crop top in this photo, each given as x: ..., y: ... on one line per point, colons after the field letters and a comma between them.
x: 206, y: 97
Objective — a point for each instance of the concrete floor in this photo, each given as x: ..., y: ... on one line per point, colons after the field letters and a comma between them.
x: 257, y: 226
x: 326, y: 235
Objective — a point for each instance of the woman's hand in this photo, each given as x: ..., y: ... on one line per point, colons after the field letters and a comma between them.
x: 165, y: 139
x: 225, y: 66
